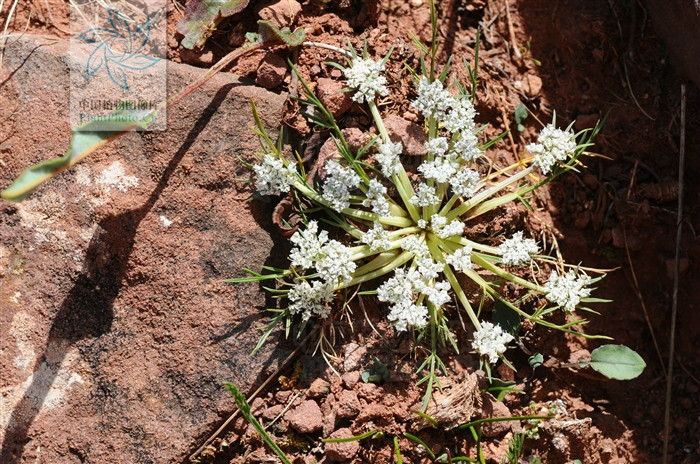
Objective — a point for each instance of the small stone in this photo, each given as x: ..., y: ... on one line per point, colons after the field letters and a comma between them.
x: 281, y: 13
x: 586, y: 121
x: 344, y: 451
x: 201, y: 58
x: 506, y: 373
x: 271, y: 71
x: 283, y: 396
x: 305, y: 418
x: 348, y: 404
x: 350, y: 379
x: 532, y: 85
x: 493, y: 408
x: 353, y: 355
x: 331, y: 94
x: 411, y: 135
x: 318, y: 388
x: 272, y: 412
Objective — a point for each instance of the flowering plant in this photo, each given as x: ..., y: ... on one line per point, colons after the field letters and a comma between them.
x: 409, y: 230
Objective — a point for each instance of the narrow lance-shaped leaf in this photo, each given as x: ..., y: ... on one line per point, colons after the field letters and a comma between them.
x: 86, y: 139
x: 269, y: 31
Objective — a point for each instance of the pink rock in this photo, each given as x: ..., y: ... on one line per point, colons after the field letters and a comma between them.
x: 411, y: 135
x: 348, y: 404
x: 118, y: 309
x: 271, y: 71
x: 281, y: 13
x: 330, y: 93
x: 341, y: 452
x: 305, y: 418
x: 318, y: 388
x: 491, y: 407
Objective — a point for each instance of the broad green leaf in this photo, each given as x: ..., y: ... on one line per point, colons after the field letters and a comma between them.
x: 617, y: 362
x: 86, y: 139
x: 202, y: 17
x: 293, y: 39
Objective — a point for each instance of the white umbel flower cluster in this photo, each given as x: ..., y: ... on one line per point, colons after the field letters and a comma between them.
x: 340, y: 181
x: 442, y: 229
x: 552, y: 145
x: 332, y: 259
x: 365, y: 76
x: 461, y: 259
x: 424, y: 196
x: 465, y: 182
x: 491, y: 341
x: 377, y: 237
x: 516, y: 251
x: 310, y: 300
x: 433, y: 100
x: 376, y: 198
x: 567, y: 290
x: 388, y: 158
x: 273, y: 176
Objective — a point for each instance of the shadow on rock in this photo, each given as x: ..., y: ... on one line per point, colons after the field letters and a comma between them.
x: 87, y: 311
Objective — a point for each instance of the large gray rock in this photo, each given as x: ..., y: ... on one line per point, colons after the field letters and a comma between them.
x: 116, y: 330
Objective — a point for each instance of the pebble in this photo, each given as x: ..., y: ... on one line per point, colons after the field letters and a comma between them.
x: 353, y: 355
x: 318, y: 388
x: 348, y: 404
x: 271, y: 71
x: 344, y: 451
x: 411, y: 135
x: 281, y: 13
x: 331, y: 94
x: 305, y: 418
x: 586, y: 121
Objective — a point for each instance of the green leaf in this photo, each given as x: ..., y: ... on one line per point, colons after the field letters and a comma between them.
x: 202, y: 17
x: 535, y: 360
x: 520, y: 115
x: 86, y: 139
x: 293, y: 39
x: 617, y: 362
x: 508, y: 319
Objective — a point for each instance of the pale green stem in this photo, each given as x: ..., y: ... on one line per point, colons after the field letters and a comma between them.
x: 376, y: 263
x: 480, y: 197
x: 449, y: 204
x: 478, y: 259
x: 475, y: 246
x: 457, y: 288
x: 398, y: 261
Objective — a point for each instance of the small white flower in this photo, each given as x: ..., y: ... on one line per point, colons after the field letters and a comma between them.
x: 437, y: 146
x: 491, y: 341
x: 376, y: 197
x: 365, y: 76
x: 465, y: 182
x: 388, y: 158
x: 437, y: 294
x: 461, y: 259
x: 567, y: 290
x: 308, y: 245
x: 516, y: 251
x: 405, y: 315
x: 399, y: 288
x: 335, y: 264
x: 339, y: 182
x: 460, y: 117
x: 424, y: 196
x: 273, y: 176
x: 416, y: 246
x: 552, y: 145
x: 443, y: 230
x: 467, y: 147
x: 433, y: 100
x: 439, y: 169
x: 428, y: 270
x: 310, y: 300
x: 377, y: 238
x: 422, y: 223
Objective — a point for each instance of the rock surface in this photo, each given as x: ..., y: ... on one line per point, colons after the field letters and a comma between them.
x: 116, y: 330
